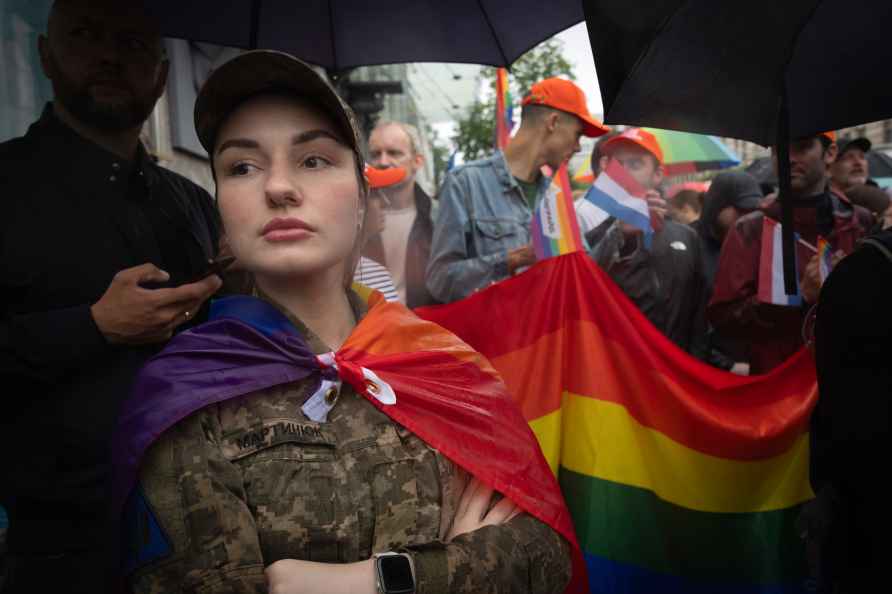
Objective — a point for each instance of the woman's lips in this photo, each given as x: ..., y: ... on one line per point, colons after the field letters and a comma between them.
x: 286, y: 229
x: 293, y: 234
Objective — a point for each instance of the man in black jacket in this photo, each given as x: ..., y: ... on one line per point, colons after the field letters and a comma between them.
x: 98, y: 246
x: 665, y: 281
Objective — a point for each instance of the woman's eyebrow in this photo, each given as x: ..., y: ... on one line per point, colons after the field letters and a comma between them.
x: 238, y: 143
x: 303, y: 137
x: 311, y: 135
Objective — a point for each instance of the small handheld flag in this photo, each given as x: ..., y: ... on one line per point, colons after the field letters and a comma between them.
x: 825, y: 258
x: 555, y: 229
x: 619, y: 195
x: 504, y: 109
x: 771, y: 267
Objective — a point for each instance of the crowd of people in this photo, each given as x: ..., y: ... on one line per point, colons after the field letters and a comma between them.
x: 106, y: 259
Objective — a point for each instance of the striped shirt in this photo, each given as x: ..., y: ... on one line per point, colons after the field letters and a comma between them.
x: 374, y: 276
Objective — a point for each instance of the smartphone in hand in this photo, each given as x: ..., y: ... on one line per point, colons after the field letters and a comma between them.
x: 214, y: 267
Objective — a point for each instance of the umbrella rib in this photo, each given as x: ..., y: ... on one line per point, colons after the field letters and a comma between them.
x: 789, y: 58
x: 331, y: 29
x: 495, y: 37
x: 255, y: 25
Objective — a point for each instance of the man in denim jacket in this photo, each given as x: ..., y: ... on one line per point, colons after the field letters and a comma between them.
x: 482, y: 233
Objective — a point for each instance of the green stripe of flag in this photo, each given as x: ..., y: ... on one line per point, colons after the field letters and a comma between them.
x: 634, y: 526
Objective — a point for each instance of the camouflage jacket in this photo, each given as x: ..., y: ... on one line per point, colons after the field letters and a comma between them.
x: 249, y: 481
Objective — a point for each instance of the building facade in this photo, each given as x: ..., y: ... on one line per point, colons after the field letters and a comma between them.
x: 878, y: 133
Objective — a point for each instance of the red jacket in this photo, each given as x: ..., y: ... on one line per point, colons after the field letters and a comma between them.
x: 773, y: 333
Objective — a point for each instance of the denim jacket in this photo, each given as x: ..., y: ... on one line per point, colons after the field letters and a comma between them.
x: 483, y: 214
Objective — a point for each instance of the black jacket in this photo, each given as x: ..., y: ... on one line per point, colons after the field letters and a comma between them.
x: 851, y: 426
x: 666, y: 282
x: 73, y: 216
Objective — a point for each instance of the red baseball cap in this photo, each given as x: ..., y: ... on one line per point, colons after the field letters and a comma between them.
x: 566, y: 96
x: 383, y: 178
x: 639, y: 137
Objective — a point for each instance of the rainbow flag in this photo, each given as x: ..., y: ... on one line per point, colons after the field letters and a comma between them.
x: 825, y: 258
x: 679, y: 477
x: 555, y: 229
x: 504, y: 109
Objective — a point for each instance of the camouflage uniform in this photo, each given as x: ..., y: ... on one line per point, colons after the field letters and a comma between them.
x: 241, y: 484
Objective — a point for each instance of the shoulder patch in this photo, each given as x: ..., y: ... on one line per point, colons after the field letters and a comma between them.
x: 144, y: 539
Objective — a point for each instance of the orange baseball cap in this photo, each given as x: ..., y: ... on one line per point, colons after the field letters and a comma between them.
x: 831, y: 135
x: 383, y: 178
x: 638, y: 137
x: 566, y: 96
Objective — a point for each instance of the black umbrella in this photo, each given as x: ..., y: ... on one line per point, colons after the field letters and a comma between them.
x: 342, y: 34
x: 764, y: 71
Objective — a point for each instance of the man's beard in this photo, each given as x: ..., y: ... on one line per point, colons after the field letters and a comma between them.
x: 108, y: 117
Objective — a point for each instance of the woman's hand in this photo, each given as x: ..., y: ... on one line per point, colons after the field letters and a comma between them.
x: 472, y: 513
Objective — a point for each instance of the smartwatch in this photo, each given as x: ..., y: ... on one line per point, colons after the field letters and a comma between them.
x: 393, y: 573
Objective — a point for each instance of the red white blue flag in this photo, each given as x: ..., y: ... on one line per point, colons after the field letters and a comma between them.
x: 771, y: 267
x: 619, y: 195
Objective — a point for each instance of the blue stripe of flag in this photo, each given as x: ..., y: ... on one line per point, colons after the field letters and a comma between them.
x: 624, y: 213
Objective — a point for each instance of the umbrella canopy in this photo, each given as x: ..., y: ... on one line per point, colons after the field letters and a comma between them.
x: 685, y: 153
x: 341, y: 34
x: 721, y: 67
x: 584, y: 173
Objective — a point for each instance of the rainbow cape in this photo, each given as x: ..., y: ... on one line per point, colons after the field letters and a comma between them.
x: 504, y: 109
x: 679, y: 477
x: 555, y: 229
x: 446, y: 393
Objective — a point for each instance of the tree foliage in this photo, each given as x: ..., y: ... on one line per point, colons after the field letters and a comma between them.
x: 476, y: 130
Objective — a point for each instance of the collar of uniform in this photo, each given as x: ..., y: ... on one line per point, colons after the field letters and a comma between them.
x: 357, y: 305
x: 82, y: 162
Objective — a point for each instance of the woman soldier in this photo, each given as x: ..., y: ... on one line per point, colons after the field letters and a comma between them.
x: 260, y: 450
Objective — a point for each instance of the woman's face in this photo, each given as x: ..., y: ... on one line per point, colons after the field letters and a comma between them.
x: 287, y: 189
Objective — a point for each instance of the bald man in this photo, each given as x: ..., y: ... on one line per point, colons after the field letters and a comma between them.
x: 98, y: 246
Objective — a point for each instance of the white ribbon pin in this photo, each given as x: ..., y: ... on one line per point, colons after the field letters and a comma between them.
x: 375, y: 386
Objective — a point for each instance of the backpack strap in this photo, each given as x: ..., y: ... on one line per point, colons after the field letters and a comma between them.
x: 878, y: 245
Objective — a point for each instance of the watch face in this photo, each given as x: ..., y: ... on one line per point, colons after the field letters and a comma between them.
x: 396, y: 574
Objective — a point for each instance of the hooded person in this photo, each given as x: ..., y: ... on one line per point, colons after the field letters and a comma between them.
x: 309, y: 438
x: 731, y: 195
